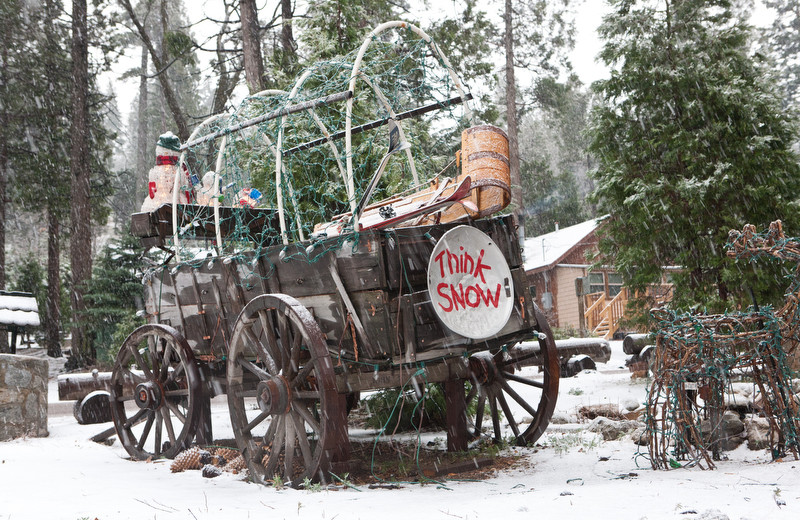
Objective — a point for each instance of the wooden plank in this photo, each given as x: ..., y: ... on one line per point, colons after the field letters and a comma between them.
x: 299, y: 276
x: 182, y: 322
x: 409, y: 329
x: 373, y: 311
x: 329, y: 313
x: 334, y: 272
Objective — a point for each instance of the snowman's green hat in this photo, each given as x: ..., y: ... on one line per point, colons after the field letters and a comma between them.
x: 169, y: 141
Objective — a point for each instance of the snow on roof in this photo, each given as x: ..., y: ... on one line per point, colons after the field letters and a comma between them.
x: 548, y: 249
x: 18, y: 309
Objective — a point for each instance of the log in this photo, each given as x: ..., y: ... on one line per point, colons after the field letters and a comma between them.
x: 634, y: 343
x: 529, y: 353
x: 72, y: 387
x: 95, y: 408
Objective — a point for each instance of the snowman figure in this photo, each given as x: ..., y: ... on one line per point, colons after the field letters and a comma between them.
x: 161, y: 178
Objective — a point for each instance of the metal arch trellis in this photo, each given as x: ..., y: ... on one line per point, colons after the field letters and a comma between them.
x: 223, y: 128
x: 698, y: 355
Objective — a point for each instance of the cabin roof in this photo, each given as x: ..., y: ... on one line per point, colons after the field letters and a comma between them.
x: 18, y: 308
x: 545, y: 251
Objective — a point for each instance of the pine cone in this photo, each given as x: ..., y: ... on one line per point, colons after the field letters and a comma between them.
x: 189, y: 459
x: 211, y: 471
x: 224, y: 455
x: 236, y: 465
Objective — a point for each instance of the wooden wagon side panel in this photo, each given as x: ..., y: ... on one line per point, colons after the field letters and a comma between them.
x: 408, y: 250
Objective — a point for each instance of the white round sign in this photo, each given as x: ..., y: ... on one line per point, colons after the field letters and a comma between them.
x: 470, y: 283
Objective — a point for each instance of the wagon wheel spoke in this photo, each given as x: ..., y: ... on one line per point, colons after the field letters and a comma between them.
x: 523, y: 380
x: 141, y: 363
x: 519, y: 400
x: 146, y: 431
x: 136, y: 419
x: 253, y: 368
x: 285, y: 341
x: 135, y: 378
x: 164, y: 374
x: 157, y: 363
x: 506, y: 410
x: 302, y: 374
x: 295, y: 353
x: 272, y: 366
x: 168, y: 424
x: 498, y: 436
x: 307, y: 416
x: 290, y: 436
x: 174, y: 409
x: 479, y: 413
x: 157, y: 440
x: 275, y: 349
x: 275, y: 447
x: 473, y: 391
x: 177, y: 372
x: 302, y: 438
x: 255, y: 422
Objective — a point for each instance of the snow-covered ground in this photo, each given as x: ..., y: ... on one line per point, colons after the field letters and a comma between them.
x: 571, y: 474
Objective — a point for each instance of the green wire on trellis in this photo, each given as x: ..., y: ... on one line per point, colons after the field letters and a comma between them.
x: 698, y: 355
x: 398, y: 72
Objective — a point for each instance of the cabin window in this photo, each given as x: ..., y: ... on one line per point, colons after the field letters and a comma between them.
x: 596, y: 283
x: 614, y: 284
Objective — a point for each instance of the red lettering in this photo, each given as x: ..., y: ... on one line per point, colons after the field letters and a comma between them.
x: 457, y: 297
x: 440, y: 289
x: 488, y: 299
x: 438, y: 258
x: 469, y: 263
x: 450, y: 258
x: 475, y: 289
x: 480, y: 267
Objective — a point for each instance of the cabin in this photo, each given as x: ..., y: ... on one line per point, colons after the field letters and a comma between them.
x: 568, y: 292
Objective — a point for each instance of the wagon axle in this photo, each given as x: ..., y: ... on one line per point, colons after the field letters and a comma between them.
x: 149, y: 395
x: 274, y: 395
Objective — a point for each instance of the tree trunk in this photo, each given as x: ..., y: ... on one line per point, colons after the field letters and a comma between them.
x: 226, y: 81
x: 166, y: 86
x: 511, y: 119
x: 251, y: 45
x: 80, y: 238
x: 287, y: 38
x: 3, y: 176
x: 53, y: 322
x: 142, y: 146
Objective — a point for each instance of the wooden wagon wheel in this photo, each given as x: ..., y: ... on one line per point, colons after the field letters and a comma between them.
x: 495, y: 383
x: 281, y: 392
x: 155, y: 392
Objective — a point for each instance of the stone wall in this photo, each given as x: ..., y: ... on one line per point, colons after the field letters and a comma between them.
x: 23, y: 397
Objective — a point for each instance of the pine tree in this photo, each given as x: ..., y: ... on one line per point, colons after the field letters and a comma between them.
x: 114, y: 295
x: 554, y: 156
x: 335, y: 27
x: 782, y: 43
x: 691, y: 143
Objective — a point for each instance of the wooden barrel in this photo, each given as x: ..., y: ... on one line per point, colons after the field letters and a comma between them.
x: 484, y: 156
x: 484, y: 150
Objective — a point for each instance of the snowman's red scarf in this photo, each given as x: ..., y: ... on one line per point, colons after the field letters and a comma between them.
x: 162, y: 160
